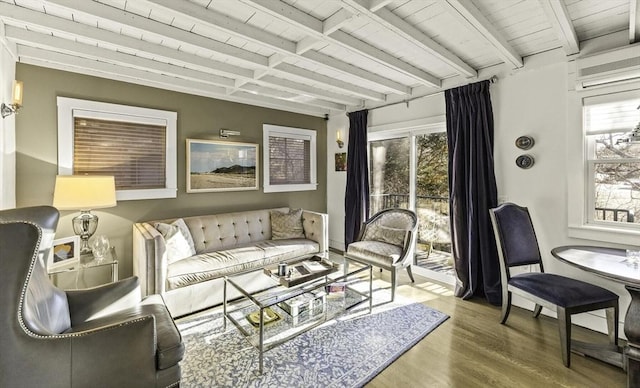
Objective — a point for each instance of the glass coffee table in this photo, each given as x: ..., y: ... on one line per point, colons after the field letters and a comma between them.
x: 271, y: 315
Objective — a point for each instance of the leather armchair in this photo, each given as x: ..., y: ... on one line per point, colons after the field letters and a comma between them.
x: 103, y: 336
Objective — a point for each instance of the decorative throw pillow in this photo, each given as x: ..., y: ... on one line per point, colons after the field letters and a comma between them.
x: 286, y: 225
x: 178, y: 240
x: 385, y: 234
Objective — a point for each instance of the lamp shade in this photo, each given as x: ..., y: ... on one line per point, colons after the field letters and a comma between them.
x: 84, y: 192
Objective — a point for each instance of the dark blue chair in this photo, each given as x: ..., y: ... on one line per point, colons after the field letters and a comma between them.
x: 518, y: 246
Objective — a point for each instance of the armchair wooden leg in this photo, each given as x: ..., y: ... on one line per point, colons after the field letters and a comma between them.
x: 394, y: 273
x: 564, y: 326
x: 506, y: 306
x: 410, y: 274
x: 612, y: 324
x: 537, y: 310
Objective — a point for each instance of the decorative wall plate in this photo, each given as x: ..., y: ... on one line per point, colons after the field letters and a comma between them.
x: 524, y: 142
x: 525, y: 161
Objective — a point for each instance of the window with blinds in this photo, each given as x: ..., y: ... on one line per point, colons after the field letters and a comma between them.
x: 613, y: 177
x: 289, y: 159
x: 133, y: 153
x: 136, y: 145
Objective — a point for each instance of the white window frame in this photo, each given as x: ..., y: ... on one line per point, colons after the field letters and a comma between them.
x: 69, y: 108
x: 579, y: 193
x: 292, y: 133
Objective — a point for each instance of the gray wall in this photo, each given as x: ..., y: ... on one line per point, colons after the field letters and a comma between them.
x: 198, y: 118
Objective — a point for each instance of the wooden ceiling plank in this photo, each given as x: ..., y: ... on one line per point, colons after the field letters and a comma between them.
x: 71, y: 63
x: 10, y: 46
x: 262, y: 37
x: 63, y: 26
x: 558, y: 16
x: 396, y: 24
x: 306, y: 89
x: 316, y: 28
x: 109, y: 68
x: 375, y: 5
x: 49, y: 42
x: 468, y: 13
x: 275, y: 93
x: 147, y: 25
x: 350, y: 42
x: 306, y: 44
x: 317, y: 57
x: 287, y: 69
x: 336, y: 21
x: 634, y: 21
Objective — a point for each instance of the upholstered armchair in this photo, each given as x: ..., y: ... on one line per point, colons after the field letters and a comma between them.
x: 103, y: 336
x: 387, y: 240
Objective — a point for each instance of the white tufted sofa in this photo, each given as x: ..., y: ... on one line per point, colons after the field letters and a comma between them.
x: 225, y: 244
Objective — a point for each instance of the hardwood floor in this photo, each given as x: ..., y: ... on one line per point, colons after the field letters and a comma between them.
x: 472, y: 349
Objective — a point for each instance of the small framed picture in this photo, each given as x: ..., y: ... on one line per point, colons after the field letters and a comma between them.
x: 341, y: 161
x: 65, y: 253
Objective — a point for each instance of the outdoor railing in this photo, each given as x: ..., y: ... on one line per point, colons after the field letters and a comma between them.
x: 433, y: 213
x: 626, y: 214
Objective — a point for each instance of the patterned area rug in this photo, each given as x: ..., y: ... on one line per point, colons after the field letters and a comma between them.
x: 347, y: 352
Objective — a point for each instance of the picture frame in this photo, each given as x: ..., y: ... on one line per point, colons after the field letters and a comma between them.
x: 341, y: 161
x: 64, y: 253
x: 215, y: 166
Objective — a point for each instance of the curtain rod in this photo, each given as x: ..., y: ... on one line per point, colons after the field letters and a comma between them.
x: 493, y: 80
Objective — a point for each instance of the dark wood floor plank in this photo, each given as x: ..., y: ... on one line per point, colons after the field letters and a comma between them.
x: 472, y: 349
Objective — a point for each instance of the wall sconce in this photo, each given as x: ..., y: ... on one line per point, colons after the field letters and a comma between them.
x: 16, y: 103
x: 339, y: 139
x: 225, y: 133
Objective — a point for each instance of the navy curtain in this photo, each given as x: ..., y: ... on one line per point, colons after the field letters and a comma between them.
x: 356, y: 201
x: 472, y: 190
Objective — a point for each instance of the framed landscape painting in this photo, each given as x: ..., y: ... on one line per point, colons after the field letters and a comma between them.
x: 221, y: 166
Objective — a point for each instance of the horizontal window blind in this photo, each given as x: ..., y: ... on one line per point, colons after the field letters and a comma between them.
x: 289, y: 160
x: 133, y: 153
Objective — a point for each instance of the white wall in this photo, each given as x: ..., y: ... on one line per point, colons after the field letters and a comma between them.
x: 528, y: 101
x: 336, y: 180
x: 7, y: 130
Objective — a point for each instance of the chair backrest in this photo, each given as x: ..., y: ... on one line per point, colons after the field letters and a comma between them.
x: 515, y: 236
x: 26, y: 240
x: 388, y: 220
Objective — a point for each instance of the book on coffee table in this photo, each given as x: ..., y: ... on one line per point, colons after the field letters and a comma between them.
x: 302, y: 271
x: 269, y: 316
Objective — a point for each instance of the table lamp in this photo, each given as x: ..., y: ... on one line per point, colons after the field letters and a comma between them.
x: 84, y: 193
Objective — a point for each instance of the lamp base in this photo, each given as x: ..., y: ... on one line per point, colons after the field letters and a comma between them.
x: 85, y: 226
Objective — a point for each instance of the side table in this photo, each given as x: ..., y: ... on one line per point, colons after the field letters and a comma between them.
x: 87, y: 261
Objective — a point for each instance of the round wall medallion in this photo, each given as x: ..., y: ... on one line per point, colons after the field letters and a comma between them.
x: 525, y: 161
x: 524, y: 142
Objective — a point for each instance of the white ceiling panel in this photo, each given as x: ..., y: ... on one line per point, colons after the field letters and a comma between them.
x: 309, y: 56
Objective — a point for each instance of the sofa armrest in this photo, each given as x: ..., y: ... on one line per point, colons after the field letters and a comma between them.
x: 316, y: 228
x: 149, y: 258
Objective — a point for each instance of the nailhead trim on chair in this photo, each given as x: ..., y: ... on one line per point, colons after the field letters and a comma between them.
x: 23, y: 293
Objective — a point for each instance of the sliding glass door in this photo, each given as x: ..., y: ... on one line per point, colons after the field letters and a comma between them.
x: 389, y: 182
x: 409, y: 170
x: 433, y: 251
